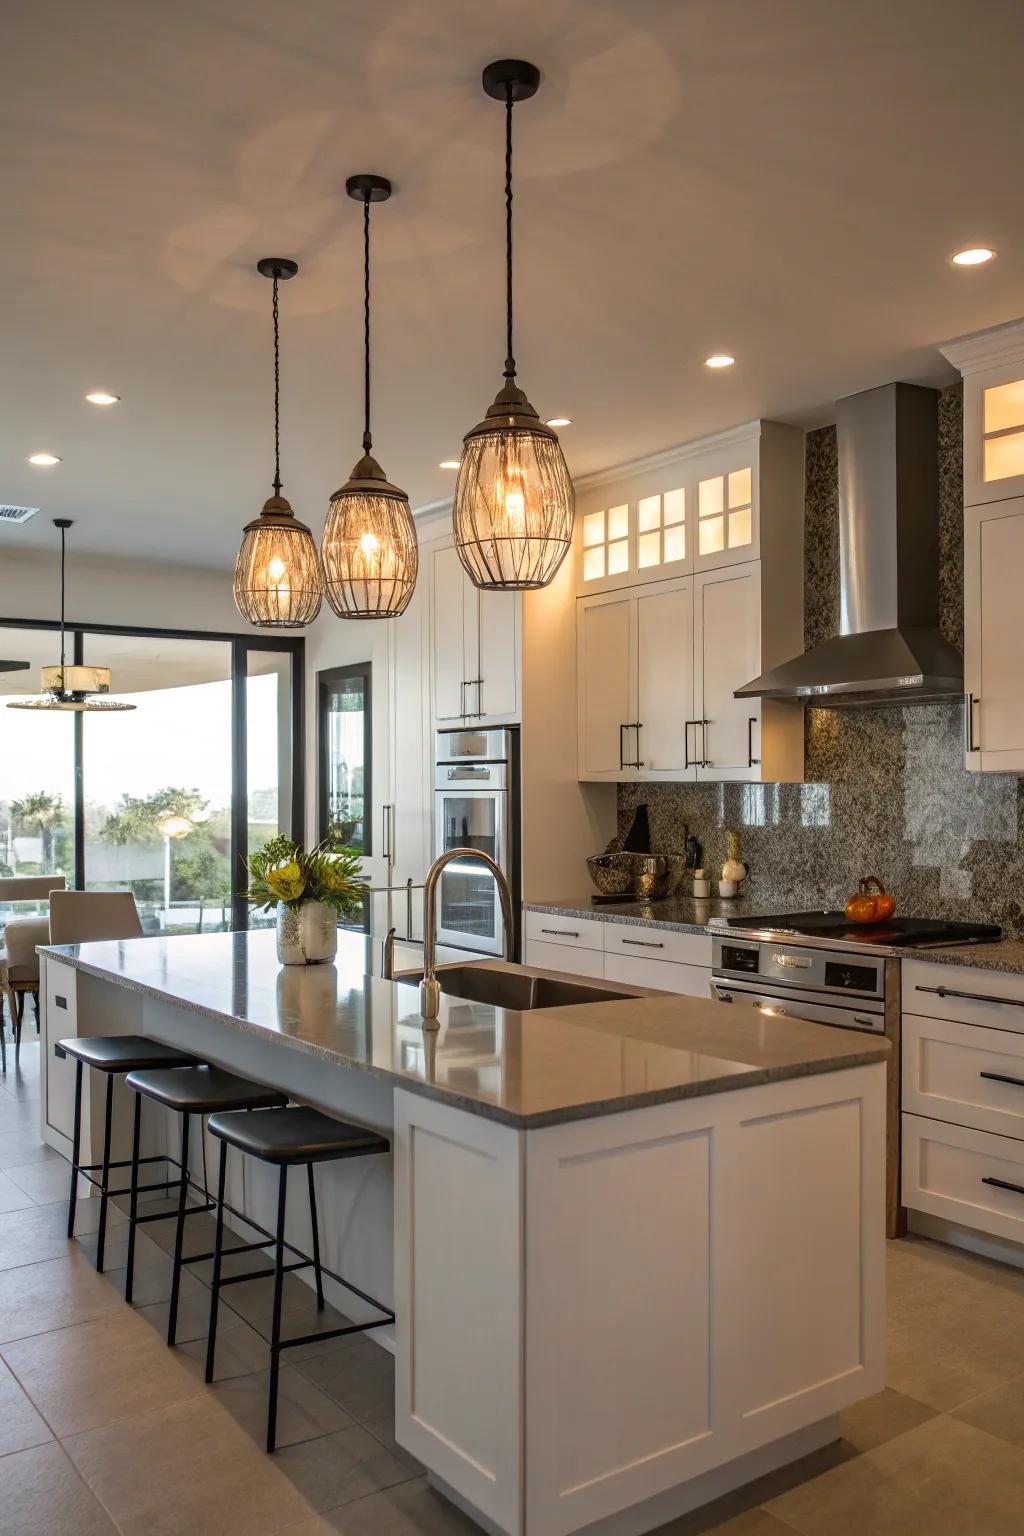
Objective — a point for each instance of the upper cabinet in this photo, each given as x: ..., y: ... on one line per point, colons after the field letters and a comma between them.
x: 689, y: 575
x: 992, y: 363
x: 474, y: 644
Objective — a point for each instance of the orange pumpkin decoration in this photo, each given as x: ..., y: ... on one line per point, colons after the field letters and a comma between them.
x: 872, y: 903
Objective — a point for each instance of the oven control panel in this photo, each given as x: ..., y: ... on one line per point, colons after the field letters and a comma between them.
x: 795, y: 968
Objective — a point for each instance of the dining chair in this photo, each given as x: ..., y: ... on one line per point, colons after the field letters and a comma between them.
x: 79, y: 917
x: 19, y: 963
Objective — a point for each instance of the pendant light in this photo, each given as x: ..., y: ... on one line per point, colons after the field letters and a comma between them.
x: 71, y: 688
x: 514, y: 500
x: 369, y: 552
x: 278, y: 580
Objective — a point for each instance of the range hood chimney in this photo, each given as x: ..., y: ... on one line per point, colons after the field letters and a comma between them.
x: 889, y: 650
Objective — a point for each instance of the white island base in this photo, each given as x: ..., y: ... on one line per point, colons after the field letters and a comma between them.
x: 606, y: 1316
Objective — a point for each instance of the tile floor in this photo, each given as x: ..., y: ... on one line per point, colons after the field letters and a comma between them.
x: 103, y: 1430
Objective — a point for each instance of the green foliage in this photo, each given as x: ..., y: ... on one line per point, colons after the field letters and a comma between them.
x: 283, y: 870
x: 137, y: 820
x: 199, y: 870
x: 45, y: 814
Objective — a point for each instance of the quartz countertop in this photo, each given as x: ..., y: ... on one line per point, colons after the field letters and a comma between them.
x: 524, y: 1069
x: 682, y: 914
x: 1002, y: 955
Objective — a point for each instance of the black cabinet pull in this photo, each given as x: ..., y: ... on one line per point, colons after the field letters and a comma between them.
x: 645, y: 943
x: 752, y: 761
x: 1016, y: 1189
x: 688, y: 762
x: 61, y: 1002
x: 704, y: 763
x: 970, y: 699
x: 622, y: 731
x: 563, y: 933
x: 1002, y: 1077
x: 973, y: 997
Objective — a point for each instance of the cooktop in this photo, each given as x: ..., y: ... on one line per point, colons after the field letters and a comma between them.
x: 911, y: 932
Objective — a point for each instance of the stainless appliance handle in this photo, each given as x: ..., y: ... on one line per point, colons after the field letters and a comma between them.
x: 802, y: 1008
x: 388, y: 851
x: 645, y: 943
x: 974, y: 997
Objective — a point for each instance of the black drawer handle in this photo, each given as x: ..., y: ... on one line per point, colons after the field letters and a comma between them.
x: 563, y: 933
x: 1001, y: 1077
x: 973, y: 997
x: 61, y: 1002
x: 645, y: 943
x: 1016, y: 1189
x: 60, y: 1053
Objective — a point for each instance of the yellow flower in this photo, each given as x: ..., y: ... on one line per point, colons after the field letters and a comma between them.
x: 286, y: 882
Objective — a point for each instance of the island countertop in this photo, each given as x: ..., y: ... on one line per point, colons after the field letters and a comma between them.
x: 527, y: 1069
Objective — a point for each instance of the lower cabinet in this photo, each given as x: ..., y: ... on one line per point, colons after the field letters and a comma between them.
x: 563, y: 957
x: 965, y: 1176
x: 661, y: 958
x: 665, y: 975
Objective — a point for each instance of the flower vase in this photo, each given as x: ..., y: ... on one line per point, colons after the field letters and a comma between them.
x: 306, y: 935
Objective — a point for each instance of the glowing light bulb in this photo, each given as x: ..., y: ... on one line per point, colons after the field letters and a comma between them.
x: 369, y: 543
x: 276, y: 569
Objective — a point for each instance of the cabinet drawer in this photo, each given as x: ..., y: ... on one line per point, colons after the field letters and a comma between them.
x: 962, y: 1175
x: 657, y: 944
x: 563, y: 957
x: 549, y: 928
x: 963, y: 1074
x: 665, y: 975
x: 994, y: 999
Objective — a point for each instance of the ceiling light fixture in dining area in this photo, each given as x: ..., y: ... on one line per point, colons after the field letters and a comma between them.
x: 514, y: 500
x: 278, y: 580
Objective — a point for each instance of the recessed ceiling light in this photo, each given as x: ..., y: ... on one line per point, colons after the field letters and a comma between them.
x: 43, y: 458
x: 448, y: 464
x: 558, y: 421
x: 719, y: 360
x: 102, y: 397
x: 972, y: 256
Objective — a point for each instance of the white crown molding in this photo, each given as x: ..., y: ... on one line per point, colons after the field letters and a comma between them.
x: 432, y: 514
x: 986, y: 349
x: 748, y: 431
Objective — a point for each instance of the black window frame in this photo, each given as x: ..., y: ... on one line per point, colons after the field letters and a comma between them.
x: 326, y: 683
x: 241, y: 645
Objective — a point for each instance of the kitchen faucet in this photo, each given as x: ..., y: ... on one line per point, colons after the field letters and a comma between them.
x: 430, y: 988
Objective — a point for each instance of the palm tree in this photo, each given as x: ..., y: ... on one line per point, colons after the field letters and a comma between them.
x: 41, y: 813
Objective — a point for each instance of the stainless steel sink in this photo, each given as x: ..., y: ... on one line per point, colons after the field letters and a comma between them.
x: 519, y: 989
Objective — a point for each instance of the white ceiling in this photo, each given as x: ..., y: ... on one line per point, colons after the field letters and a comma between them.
x: 782, y: 179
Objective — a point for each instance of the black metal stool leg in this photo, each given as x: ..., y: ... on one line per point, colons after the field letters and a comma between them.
x: 134, y: 1201
x: 101, y: 1236
x: 316, y: 1241
x: 76, y: 1149
x: 218, y: 1244
x: 275, y: 1326
x: 179, y: 1233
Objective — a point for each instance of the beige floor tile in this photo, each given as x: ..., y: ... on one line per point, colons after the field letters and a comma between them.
x: 94, y: 1373
x: 303, y: 1411
x: 360, y: 1377
x: 20, y: 1425
x: 21, y: 1147
x: 12, y: 1196
x: 194, y: 1319
x: 999, y: 1412
x: 39, y: 1232
x: 881, y: 1418
x: 41, y: 1494
x: 186, y: 1470
x: 337, y: 1469
x: 409, y: 1509
x: 56, y: 1293
x: 240, y: 1350
x: 47, y: 1180
x: 752, y: 1522
x: 942, y: 1479
x: 383, y: 1429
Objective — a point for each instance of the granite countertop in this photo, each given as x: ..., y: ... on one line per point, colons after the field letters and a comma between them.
x: 1002, y: 955
x: 683, y: 914
x: 524, y: 1069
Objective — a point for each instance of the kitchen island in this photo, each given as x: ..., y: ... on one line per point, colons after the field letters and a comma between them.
x: 635, y: 1247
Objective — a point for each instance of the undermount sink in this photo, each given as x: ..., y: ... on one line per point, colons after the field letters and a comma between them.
x: 518, y: 989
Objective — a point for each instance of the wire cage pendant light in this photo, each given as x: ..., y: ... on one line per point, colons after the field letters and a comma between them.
x: 278, y: 580
x: 69, y: 686
x: 369, y: 551
x: 514, y: 500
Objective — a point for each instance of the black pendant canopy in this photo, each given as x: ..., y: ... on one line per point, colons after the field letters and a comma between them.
x: 514, y: 499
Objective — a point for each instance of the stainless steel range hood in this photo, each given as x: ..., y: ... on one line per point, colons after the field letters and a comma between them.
x: 889, y: 650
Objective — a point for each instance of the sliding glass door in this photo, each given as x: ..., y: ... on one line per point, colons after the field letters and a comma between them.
x: 167, y: 799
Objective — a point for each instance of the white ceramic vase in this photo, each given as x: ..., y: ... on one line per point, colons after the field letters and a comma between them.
x: 306, y: 935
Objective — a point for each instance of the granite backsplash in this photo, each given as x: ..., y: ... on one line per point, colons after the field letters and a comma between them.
x: 886, y: 790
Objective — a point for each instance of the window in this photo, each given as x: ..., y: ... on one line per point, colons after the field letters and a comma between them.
x: 344, y: 731
x: 606, y: 543
x: 1004, y: 430
x: 661, y: 529
x: 724, y: 517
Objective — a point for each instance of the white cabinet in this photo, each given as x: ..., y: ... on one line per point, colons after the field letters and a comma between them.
x: 657, y: 669
x: 407, y: 819
x: 474, y: 645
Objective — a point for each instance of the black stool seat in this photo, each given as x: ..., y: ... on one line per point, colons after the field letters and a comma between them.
x: 295, y: 1135
x: 201, y: 1090
x: 125, y: 1053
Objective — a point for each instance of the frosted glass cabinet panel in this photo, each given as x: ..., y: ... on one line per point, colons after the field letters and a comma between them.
x: 994, y: 434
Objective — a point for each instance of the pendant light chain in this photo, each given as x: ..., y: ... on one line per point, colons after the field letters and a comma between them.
x: 367, y: 439
x: 277, y: 391
x: 510, y: 362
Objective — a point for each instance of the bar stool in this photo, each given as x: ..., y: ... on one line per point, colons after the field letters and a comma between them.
x: 188, y: 1091
x: 112, y: 1054
x: 288, y: 1137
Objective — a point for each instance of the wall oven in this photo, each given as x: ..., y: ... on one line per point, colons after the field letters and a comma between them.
x: 476, y: 805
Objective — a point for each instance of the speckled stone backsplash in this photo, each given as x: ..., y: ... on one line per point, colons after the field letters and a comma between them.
x: 887, y: 792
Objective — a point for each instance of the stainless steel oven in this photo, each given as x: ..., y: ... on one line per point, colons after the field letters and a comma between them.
x: 476, y: 805
x: 835, y: 987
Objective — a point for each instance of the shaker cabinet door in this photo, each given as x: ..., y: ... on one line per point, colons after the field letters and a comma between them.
x: 448, y: 639
x: 664, y: 644
x: 727, y: 650
x: 606, y: 668
x: 495, y: 693
x: 994, y: 680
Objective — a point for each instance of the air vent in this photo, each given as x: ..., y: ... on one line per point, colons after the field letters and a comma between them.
x: 9, y: 514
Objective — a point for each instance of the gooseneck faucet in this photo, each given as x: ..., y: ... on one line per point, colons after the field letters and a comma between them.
x: 430, y: 989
